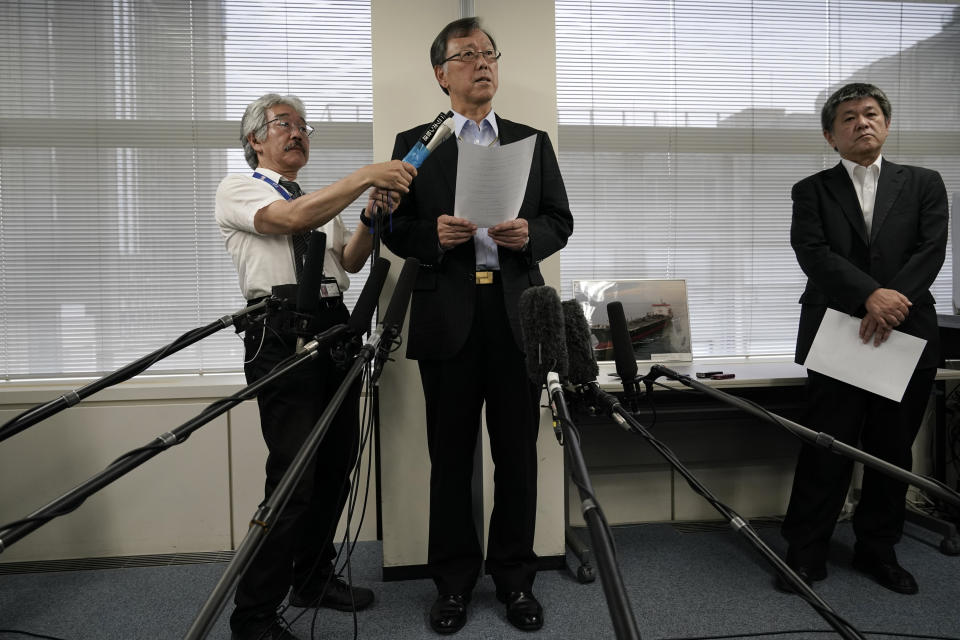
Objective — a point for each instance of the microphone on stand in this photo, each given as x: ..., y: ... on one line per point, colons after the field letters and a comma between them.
x: 623, y: 355
x: 541, y: 327
x: 392, y: 323
x: 363, y: 310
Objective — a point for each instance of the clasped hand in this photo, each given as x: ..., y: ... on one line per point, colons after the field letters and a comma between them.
x: 886, y: 309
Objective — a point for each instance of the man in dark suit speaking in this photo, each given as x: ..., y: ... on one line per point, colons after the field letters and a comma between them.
x: 871, y: 236
x: 465, y: 334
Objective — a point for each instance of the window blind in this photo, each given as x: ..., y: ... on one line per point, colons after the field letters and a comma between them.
x: 117, y: 121
x: 684, y: 124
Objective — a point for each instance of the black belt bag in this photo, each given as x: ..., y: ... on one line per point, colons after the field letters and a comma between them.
x: 283, y: 317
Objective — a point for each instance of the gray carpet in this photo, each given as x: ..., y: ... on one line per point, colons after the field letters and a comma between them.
x: 683, y: 582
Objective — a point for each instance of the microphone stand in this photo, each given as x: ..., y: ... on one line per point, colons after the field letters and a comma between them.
x: 626, y: 420
x: 41, y: 412
x: 621, y: 614
x: 819, y: 439
x: 266, y: 515
x: 12, y: 532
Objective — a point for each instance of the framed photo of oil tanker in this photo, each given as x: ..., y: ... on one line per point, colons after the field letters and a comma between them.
x: 656, y: 311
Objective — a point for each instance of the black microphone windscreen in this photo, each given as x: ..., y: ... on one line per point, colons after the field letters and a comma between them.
x: 623, y: 354
x: 367, y: 301
x: 541, y: 324
x: 308, y: 291
x: 583, y: 364
x: 397, y: 308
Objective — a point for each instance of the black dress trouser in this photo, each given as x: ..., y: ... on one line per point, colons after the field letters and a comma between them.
x: 300, y: 545
x: 488, y: 369
x: 879, y: 426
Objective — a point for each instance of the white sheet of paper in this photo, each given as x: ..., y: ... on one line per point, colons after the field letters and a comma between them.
x: 491, y: 181
x: 838, y: 352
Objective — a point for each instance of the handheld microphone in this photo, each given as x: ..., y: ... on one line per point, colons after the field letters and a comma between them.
x: 437, y: 132
x: 541, y: 327
x: 623, y: 355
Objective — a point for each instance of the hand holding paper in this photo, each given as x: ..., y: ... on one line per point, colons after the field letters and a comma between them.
x: 452, y: 231
x: 511, y: 234
x: 838, y: 352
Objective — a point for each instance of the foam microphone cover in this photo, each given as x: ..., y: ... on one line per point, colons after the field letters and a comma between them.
x: 583, y: 364
x: 308, y: 291
x: 397, y: 308
x: 541, y: 325
x: 367, y: 301
x: 623, y: 354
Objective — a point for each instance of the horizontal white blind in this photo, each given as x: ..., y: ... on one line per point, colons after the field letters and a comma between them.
x: 684, y: 124
x: 118, y: 119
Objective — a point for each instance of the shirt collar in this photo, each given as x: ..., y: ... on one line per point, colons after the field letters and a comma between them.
x: 270, y: 173
x: 459, y: 120
x: 850, y: 166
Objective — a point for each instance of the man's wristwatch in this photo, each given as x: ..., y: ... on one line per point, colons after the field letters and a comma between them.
x: 365, y: 219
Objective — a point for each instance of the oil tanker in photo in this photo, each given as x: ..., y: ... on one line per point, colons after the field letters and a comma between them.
x: 643, y: 330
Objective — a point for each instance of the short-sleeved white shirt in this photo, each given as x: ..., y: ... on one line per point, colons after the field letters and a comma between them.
x: 263, y: 260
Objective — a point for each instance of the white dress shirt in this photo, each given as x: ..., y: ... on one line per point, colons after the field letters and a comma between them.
x: 266, y: 260
x: 865, y: 181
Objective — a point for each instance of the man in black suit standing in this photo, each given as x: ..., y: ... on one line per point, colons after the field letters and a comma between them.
x: 465, y: 334
x: 871, y: 236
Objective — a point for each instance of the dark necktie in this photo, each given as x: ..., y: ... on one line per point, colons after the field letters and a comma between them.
x: 299, y: 239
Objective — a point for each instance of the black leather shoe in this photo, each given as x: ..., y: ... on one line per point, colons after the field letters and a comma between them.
x: 337, y: 594
x: 275, y: 629
x: 523, y: 610
x: 806, y: 573
x: 889, y: 574
x: 449, y: 613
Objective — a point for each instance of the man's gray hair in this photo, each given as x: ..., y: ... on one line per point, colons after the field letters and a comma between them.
x: 255, y: 119
x: 852, y: 91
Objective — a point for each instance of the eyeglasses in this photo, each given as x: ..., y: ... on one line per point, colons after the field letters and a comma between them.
x: 304, y: 129
x: 469, y: 57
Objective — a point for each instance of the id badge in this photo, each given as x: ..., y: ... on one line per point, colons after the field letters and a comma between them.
x: 329, y: 288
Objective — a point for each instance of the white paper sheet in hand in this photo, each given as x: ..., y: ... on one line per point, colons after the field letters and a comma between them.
x: 838, y: 352
x: 491, y: 181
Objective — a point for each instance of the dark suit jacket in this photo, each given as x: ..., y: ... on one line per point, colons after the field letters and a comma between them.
x: 905, y: 250
x: 441, y: 310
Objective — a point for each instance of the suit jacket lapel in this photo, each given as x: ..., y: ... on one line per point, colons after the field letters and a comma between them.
x: 888, y: 188
x: 505, y: 132
x: 446, y: 157
x: 839, y: 184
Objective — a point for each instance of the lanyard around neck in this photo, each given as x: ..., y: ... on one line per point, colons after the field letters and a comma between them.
x: 283, y: 192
